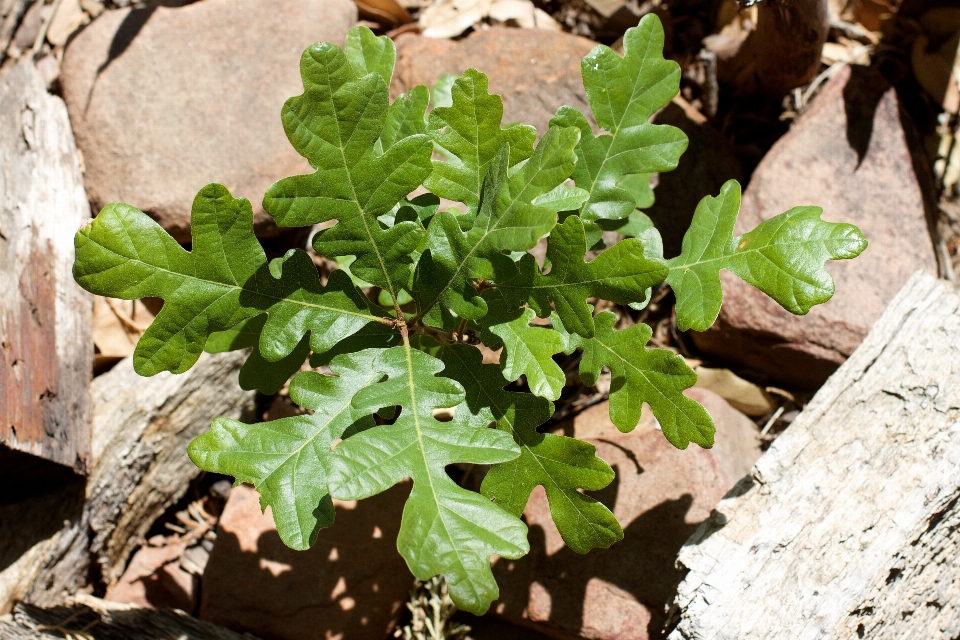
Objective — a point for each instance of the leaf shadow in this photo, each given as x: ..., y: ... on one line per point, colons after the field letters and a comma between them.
x: 350, y: 584
x: 641, y: 565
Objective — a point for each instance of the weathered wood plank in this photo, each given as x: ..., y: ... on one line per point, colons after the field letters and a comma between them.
x: 140, y: 467
x: 849, y: 526
x: 89, y: 617
x: 45, y: 335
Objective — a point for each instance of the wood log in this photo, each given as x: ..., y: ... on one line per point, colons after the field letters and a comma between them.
x: 141, y: 428
x: 781, y: 53
x: 89, y: 617
x: 849, y: 526
x: 45, y: 317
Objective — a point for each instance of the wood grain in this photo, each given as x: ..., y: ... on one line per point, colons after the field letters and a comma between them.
x: 849, y: 526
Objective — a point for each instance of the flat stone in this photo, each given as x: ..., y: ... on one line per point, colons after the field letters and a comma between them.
x: 659, y: 497
x: 349, y: 585
x: 536, y: 71
x: 166, y: 100
x: 850, y: 154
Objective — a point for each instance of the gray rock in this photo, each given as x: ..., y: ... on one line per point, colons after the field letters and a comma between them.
x: 166, y: 100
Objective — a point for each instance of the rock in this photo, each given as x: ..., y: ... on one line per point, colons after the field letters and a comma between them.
x: 166, y: 100
x: 660, y: 495
x: 155, y: 579
x: 536, y: 71
x: 45, y: 334
x: 349, y: 585
x: 709, y: 161
x: 849, y: 154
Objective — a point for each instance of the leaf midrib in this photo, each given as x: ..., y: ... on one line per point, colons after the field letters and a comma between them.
x: 222, y: 285
x: 493, y: 403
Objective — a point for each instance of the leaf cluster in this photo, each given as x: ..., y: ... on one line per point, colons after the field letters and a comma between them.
x: 394, y: 334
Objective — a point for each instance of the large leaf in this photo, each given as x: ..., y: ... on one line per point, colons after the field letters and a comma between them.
x: 621, y: 274
x: 223, y: 281
x: 337, y: 124
x: 783, y: 257
x: 288, y: 460
x: 469, y: 133
x: 445, y: 528
x: 623, y: 94
x: 655, y: 376
x: 509, y: 220
x: 561, y: 465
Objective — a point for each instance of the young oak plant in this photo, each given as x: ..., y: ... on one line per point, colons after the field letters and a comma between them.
x: 396, y: 328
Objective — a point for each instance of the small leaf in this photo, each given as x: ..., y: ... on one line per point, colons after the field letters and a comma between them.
x: 445, y: 529
x: 508, y: 221
x: 624, y: 93
x: 469, y: 132
x: 655, y: 376
x: 288, y: 460
x: 621, y: 274
x: 561, y: 465
x: 529, y: 351
x: 783, y: 257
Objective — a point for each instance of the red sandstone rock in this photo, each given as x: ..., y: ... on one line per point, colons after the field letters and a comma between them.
x: 166, y: 100
x: 536, y: 71
x: 349, y: 585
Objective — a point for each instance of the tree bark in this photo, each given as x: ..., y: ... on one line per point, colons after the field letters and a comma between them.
x: 141, y: 427
x: 109, y: 621
x: 849, y: 526
x: 45, y: 334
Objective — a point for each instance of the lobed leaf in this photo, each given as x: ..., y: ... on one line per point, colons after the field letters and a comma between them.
x: 623, y: 94
x: 222, y: 282
x: 367, y: 155
x: 288, y: 460
x: 621, y: 274
x: 445, y: 528
x: 508, y: 220
x: 469, y: 133
x: 783, y: 257
x: 561, y: 465
x: 655, y: 376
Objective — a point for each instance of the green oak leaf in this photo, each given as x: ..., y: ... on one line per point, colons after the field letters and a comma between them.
x: 288, y: 460
x: 222, y: 282
x: 621, y: 274
x: 344, y: 125
x: 508, y: 221
x: 529, y: 351
x: 655, y: 376
x: 258, y: 372
x: 783, y: 257
x: 445, y: 528
x: 561, y: 465
x: 469, y: 133
x: 623, y: 94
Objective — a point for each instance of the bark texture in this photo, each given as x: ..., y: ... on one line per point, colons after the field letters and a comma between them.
x: 849, y: 526
x: 141, y: 427
x: 90, y: 617
x: 45, y: 335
